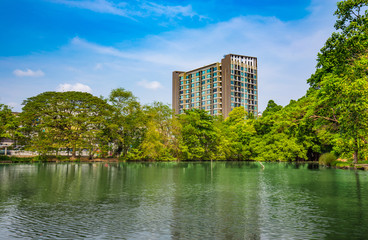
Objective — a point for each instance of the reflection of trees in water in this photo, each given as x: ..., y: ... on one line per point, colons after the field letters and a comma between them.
x: 224, y: 207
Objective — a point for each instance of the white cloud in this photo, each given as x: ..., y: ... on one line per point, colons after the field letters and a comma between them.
x: 101, y: 6
x: 169, y: 11
x: 131, y: 10
x: 78, y: 87
x: 150, y: 85
x: 28, y: 73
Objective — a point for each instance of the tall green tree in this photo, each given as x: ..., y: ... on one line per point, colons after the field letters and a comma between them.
x: 8, y: 122
x: 347, y: 44
x: 73, y: 120
x: 128, y: 121
x: 198, y: 135
x: 343, y: 103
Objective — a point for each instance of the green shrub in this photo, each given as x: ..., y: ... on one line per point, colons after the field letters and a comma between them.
x: 326, y: 159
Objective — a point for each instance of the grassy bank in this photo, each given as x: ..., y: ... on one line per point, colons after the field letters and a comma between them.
x: 17, y: 159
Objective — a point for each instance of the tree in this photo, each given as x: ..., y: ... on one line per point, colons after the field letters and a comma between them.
x: 272, y: 107
x: 8, y: 122
x: 72, y: 120
x: 159, y: 140
x: 128, y: 121
x: 344, y: 103
x: 345, y: 46
x: 198, y: 136
x: 239, y: 131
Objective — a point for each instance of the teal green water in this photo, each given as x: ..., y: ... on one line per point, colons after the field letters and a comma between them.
x: 226, y: 200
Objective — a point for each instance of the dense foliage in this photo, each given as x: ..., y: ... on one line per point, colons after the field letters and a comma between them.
x: 331, y: 118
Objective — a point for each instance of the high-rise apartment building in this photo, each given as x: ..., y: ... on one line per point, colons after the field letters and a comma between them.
x: 218, y: 87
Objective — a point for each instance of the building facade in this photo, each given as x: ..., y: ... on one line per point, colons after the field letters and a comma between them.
x: 218, y: 87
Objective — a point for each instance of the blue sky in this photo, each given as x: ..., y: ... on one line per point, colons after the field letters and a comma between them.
x: 99, y: 45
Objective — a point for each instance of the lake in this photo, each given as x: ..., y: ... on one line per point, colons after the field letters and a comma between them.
x: 219, y: 200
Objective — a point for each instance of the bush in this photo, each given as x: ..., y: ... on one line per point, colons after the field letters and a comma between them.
x: 326, y: 159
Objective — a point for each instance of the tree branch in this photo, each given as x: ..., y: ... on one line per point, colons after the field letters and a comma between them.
x: 326, y: 118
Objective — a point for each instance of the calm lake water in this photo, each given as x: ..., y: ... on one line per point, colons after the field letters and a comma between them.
x: 233, y: 200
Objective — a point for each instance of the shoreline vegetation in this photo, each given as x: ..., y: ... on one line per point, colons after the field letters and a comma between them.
x: 340, y: 164
x: 329, y: 124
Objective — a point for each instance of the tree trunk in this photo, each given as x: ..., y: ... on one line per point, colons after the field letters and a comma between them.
x: 355, y: 156
x: 74, y: 152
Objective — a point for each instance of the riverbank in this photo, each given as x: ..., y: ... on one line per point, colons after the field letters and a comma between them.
x: 63, y: 159
x: 32, y: 159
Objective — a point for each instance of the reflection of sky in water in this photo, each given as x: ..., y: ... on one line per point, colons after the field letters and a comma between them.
x: 182, y: 200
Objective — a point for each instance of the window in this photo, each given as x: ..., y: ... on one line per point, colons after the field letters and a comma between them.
x: 215, y: 101
x: 215, y: 74
x: 215, y: 69
x: 197, y: 74
x: 203, y: 97
x: 208, y: 91
x: 214, y: 79
x: 209, y: 102
x: 215, y: 85
x: 197, y: 84
x: 215, y: 95
x: 197, y: 104
x: 232, y: 82
x: 209, y: 86
x: 203, y: 103
x: 187, y: 81
x: 208, y: 70
x: 197, y: 94
x: 192, y: 84
x: 203, y: 92
x: 181, y: 82
x: 208, y: 107
x: 214, y: 111
x: 197, y: 79
x: 232, y: 99
x: 209, y: 81
x: 180, y: 78
x: 232, y: 76
x: 197, y: 99
x: 209, y: 97
x: 203, y: 77
x: 208, y: 75
x: 203, y: 72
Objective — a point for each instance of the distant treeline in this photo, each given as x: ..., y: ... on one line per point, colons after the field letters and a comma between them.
x: 331, y: 117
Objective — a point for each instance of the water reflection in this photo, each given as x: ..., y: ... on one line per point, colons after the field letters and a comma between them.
x: 216, y: 200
